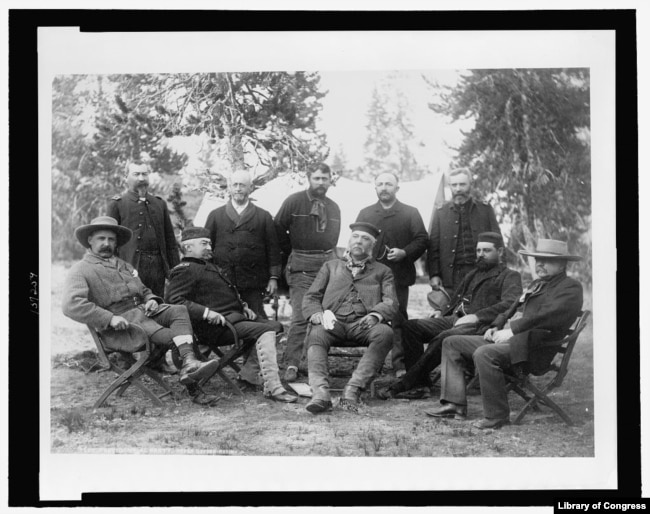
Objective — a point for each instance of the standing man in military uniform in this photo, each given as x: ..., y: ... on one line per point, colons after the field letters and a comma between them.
x: 153, y: 250
x: 454, y: 232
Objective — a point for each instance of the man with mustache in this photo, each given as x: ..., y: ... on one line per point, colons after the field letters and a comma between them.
x: 153, y: 250
x: 308, y: 226
x: 454, y: 231
x: 245, y: 244
x: 210, y: 299
x: 402, y: 240
x: 485, y: 292
x: 518, y: 339
x: 105, y: 292
x: 351, y: 300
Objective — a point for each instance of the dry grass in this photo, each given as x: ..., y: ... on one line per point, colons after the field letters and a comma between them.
x: 253, y: 425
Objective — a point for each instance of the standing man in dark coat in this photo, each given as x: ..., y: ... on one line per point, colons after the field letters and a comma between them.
x: 402, y: 240
x: 153, y: 250
x: 246, y: 244
x: 308, y: 226
x: 517, y: 340
x: 454, y: 232
x: 485, y: 292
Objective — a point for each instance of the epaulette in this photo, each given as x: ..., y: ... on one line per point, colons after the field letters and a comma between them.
x: 159, y: 197
x: 116, y: 197
x: 181, y: 265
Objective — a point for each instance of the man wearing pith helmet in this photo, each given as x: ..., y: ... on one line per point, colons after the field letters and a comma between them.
x: 518, y: 339
x: 105, y: 292
x: 351, y: 299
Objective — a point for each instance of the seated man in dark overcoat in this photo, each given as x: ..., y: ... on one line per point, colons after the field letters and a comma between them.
x: 211, y: 298
x: 485, y: 292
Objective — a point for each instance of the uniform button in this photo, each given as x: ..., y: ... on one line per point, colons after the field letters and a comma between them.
x: 139, y: 237
x: 143, y: 213
x: 141, y: 225
x: 453, y: 251
x: 451, y: 265
x: 454, y: 221
x: 455, y: 237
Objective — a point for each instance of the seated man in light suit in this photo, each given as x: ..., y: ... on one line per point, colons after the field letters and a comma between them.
x: 518, y: 339
x: 351, y: 299
x: 104, y: 292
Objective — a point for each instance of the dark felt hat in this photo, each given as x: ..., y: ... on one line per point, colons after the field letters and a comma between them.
x: 195, y: 233
x: 491, y: 237
x: 551, y: 249
x: 365, y: 227
x: 439, y: 299
x: 122, y: 234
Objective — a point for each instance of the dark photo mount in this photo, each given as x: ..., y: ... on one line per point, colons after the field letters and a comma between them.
x: 23, y: 388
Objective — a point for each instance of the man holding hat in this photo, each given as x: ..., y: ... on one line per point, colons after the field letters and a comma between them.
x: 517, y: 339
x: 485, y: 292
x: 211, y: 298
x: 104, y: 291
x: 351, y: 299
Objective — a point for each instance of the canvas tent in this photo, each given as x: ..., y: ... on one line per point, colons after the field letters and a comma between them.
x: 350, y: 195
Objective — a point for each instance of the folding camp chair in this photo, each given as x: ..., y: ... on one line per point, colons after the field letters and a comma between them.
x: 522, y: 385
x: 227, y: 359
x: 127, y: 342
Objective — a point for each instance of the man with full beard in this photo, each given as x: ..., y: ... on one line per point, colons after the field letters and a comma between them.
x: 308, y: 225
x: 153, y: 250
x: 485, y: 292
x: 454, y: 229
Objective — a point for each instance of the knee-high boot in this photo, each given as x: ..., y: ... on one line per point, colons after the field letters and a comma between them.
x: 267, y: 356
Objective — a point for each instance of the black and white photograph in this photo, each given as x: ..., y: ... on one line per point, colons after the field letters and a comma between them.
x: 326, y: 261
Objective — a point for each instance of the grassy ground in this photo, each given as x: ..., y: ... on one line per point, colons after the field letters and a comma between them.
x: 252, y: 425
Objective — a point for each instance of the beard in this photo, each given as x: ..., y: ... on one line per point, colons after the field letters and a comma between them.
x: 318, y: 192
x: 483, y: 265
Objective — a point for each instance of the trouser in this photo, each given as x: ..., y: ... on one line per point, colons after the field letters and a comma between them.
x: 169, y: 322
x: 378, y: 339
x: 457, y: 354
x: 490, y: 361
x: 397, y: 352
x: 419, y: 363
x: 151, y: 270
x: 249, y: 332
x: 301, y: 272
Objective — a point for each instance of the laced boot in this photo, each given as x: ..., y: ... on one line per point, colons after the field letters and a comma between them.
x: 267, y: 357
x: 350, y: 398
x: 193, y: 370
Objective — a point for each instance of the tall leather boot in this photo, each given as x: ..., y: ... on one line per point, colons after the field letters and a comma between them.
x: 267, y: 357
x: 193, y: 370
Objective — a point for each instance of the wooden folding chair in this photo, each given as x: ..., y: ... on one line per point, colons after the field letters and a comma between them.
x: 523, y: 385
x: 127, y: 342
x: 227, y: 359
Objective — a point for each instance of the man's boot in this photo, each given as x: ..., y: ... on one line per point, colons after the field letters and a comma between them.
x: 350, y: 398
x: 267, y: 357
x: 193, y: 370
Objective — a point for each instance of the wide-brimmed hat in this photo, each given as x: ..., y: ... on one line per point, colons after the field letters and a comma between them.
x: 123, y: 234
x: 439, y: 299
x: 551, y: 249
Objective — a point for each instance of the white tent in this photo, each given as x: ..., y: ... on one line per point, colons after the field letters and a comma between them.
x: 350, y: 195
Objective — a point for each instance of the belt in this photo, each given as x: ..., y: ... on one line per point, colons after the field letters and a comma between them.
x: 313, y: 252
x: 125, y: 304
